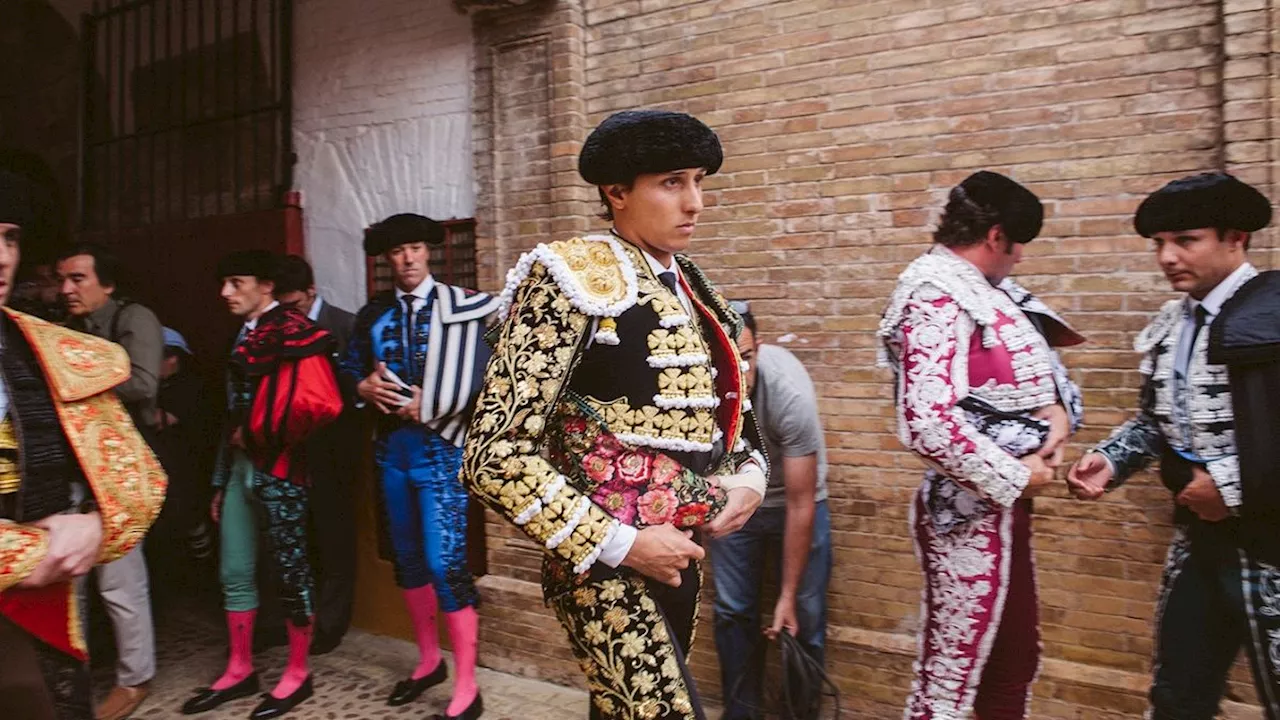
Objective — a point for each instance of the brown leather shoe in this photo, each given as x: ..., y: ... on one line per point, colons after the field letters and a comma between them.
x: 121, y: 702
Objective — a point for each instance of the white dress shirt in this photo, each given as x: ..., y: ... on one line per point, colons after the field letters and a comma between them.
x: 1212, y: 305
x: 658, y: 268
x: 314, y: 313
x: 249, y: 325
x: 419, y: 293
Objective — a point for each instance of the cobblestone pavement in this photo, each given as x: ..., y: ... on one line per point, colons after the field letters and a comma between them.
x: 352, y: 682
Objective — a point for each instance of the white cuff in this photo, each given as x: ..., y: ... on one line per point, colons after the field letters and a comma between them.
x: 748, y: 476
x: 1226, y: 476
x: 615, y: 550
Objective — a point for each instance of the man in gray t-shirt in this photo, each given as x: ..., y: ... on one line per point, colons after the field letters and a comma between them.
x: 793, y: 520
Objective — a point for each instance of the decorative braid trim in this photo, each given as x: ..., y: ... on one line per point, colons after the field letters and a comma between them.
x: 584, y: 503
x: 670, y: 361
x: 529, y: 512
x: 665, y: 443
x: 567, y: 279
x: 553, y: 488
x: 936, y: 274
x: 594, y: 555
x: 607, y: 337
x: 1164, y: 321
x: 671, y: 321
x: 682, y: 403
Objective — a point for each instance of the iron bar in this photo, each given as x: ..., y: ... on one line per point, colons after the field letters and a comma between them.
x: 216, y: 120
x: 254, y: 100
x: 83, y: 165
x: 216, y: 48
x: 152, y: 111
x: 169, y: 150
x: 152, y: 99
x: 200, y: 173
x: 235, y: 105
x: 133, y: 85
x: 285, y: 126
x: 182, y: 112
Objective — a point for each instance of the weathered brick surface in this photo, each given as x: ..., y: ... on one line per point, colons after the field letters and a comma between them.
x: 844, y: 125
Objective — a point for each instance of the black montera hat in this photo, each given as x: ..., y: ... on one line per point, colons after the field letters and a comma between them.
x: 401, y: 229
x: 260, y: 264
x: 1020, y: 211
x: 15, y: 200
x: 1207, y: 200
x: 635, y: 142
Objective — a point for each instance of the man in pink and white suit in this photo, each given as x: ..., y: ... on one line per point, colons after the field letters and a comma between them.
x: 983, y: 398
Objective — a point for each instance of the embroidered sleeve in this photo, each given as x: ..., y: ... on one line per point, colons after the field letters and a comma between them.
x: 357, y: 360
x: 1068, y: 392
x: 1226, y: 476
x: 1136, y: 443
x: 933, y: 378
x: 503, y: 462
x: 22, y: 547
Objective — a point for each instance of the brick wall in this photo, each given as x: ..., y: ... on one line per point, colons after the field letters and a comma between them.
x: 382, y: 124
x: 844, y: 125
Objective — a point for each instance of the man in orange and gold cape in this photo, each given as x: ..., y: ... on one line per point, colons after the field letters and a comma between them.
x: 78, y: 487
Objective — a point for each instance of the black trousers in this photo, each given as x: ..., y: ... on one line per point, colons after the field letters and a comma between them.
x: 38, y: 682
x: 1214, y: 599
x: 332, y: 455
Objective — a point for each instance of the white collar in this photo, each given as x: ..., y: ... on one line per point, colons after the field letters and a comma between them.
x: 948, y: 252
x: 1222, y: 291
x: 314, y: 314
x: 251, y: 324
x: 424, y: 288
x: 657, y: 267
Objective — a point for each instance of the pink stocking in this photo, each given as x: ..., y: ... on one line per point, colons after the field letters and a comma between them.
x: 240, y: 661
x: 297, y: 671
x: 421, y: 602
x: 464, y: 631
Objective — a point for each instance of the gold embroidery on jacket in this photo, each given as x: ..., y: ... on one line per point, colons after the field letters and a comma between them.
x: 10, y: 477
x: 650, y: 425
x: 682, y: 340
x: 686, y: 383
x: 502, y: 465
x: 621, y: 640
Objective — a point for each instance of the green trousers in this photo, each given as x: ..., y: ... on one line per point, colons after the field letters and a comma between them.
x: 254, y: 505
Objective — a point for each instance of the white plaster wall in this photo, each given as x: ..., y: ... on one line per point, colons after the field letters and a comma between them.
x: 382, y: 124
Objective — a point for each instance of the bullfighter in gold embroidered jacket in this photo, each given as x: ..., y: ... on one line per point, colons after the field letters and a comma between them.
x: 78, y: 486
x: 614, y: 425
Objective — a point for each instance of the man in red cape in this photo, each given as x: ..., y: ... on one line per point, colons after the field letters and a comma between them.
x: 280, y: 388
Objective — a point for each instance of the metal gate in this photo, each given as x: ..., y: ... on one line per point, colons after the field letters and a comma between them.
x: 185, y: 111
